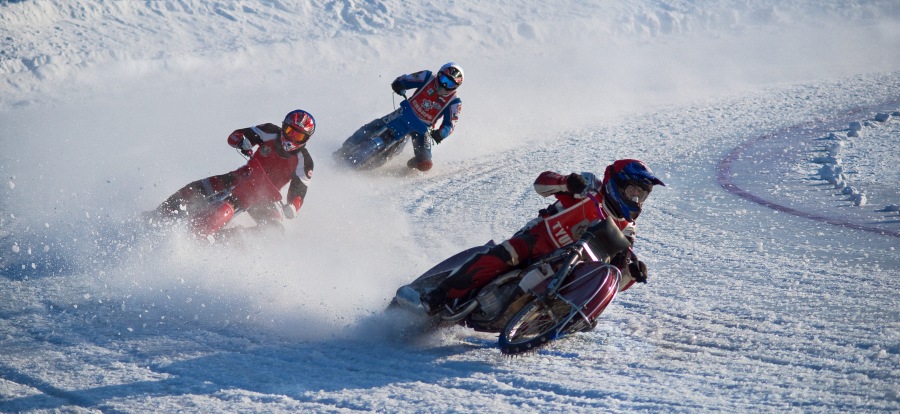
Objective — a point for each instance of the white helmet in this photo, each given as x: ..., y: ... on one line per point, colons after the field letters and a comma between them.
x: 450, y: 76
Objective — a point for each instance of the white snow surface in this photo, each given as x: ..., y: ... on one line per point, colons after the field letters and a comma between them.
x: 771, y: 289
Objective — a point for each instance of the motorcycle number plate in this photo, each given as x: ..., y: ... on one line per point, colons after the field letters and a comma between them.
x: 534, y: 277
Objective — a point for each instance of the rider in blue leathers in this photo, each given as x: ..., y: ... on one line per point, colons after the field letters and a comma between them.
x: 434, y: 100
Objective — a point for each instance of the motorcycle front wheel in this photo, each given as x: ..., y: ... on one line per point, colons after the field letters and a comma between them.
x: 536, y: 324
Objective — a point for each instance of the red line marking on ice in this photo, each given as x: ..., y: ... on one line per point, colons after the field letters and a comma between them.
x: 724, y: 174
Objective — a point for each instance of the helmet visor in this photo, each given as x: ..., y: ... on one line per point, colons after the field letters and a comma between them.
x: 447, y: 82
x: 636, y: 193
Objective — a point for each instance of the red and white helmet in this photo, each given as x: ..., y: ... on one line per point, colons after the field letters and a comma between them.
x: 450, y: 76
x: 297, y: 128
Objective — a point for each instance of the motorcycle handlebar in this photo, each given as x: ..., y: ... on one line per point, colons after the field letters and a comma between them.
x: 403, y: 94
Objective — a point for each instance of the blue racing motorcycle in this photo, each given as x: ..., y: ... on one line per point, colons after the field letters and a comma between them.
x: 375, y: 143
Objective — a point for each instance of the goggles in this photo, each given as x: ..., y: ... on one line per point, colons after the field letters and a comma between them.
x: 636, y: 193
x: 447, y: 82
x: 293, y: 138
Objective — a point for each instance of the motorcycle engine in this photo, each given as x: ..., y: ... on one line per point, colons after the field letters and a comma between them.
x: 493, y: 300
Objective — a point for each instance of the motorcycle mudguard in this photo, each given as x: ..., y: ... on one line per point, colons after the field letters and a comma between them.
x: 383, y: 143
x: 592, y: 287
x: 375, y: 151
x: 433, y: 276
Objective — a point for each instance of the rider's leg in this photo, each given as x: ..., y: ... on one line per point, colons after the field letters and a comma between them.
x: 190, y: 197
x: 211, y: 219
x: 476, y: 272
x: 268, y: 220
x: 217, y: 215
x: 422, y: 150
x: 482, y: 268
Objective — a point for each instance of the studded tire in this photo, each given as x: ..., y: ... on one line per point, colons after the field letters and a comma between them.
x: 535, y: 325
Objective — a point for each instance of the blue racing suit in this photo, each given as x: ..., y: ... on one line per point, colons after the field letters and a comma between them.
x: 418, y: 114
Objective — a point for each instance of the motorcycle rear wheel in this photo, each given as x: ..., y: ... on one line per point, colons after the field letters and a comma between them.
x: 538, y: 323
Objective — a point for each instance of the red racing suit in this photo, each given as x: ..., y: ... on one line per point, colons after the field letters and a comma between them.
x: 254, y: 187
x: 558, y: 225
x: 269, y: 169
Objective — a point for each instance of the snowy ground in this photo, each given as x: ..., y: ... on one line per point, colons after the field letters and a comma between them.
x: 771, y: 290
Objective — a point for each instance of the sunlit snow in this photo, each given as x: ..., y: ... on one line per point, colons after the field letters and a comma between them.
x: 772, y: 250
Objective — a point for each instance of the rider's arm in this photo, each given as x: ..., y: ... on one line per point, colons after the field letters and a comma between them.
x: 300, y: 182
x: 551, y: 183
x: 412, y: 80
x: 450, y: 116
x: 254, y: 135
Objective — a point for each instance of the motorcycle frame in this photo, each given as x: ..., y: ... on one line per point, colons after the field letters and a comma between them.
x: 575, y: 255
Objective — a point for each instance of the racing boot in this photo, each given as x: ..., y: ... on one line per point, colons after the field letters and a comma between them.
x: 419, y: 165
x: 428, y: 303
x: 434, y: 300
x: 410, y: 299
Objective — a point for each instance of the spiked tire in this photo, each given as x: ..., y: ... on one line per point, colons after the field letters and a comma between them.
x: 536, y: 324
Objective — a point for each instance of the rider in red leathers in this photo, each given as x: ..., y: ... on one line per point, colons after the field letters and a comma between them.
x: 281, y: 158
x: 582, y: 199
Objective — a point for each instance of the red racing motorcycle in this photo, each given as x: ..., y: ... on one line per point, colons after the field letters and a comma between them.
x: 208, y: 207
x: 560, y: 293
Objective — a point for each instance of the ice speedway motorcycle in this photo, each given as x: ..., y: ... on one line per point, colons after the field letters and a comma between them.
x: 560, y: 293
x: 380, y: 140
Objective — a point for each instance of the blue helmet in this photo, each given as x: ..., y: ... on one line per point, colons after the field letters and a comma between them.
x: 626, y: 185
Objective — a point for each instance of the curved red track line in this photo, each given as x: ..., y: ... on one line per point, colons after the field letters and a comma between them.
x: 723, y: 176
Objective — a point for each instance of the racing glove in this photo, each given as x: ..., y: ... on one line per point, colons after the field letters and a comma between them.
x: 246, y: 147
x: 576, y: 183
x: 638, y: 271
x: 436, y: 136
x: 239, y: 141
x: 397, y: 87
x: 549, y: 211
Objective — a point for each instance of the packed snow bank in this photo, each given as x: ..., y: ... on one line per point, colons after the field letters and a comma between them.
x: 57, y: 43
